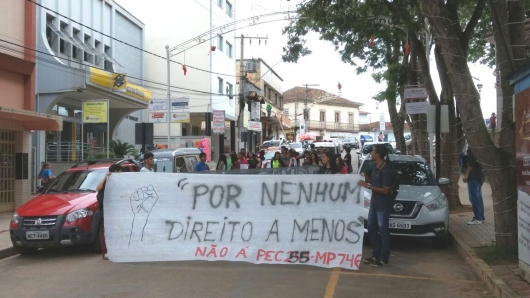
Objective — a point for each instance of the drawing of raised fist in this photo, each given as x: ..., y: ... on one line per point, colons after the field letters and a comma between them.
x: 142, y: 202
x: 144, y: 199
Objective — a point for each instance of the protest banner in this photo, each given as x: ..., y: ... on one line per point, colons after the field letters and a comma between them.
x: 306, y: 219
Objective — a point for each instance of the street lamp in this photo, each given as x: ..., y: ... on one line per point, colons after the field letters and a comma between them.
x: 479, y: 87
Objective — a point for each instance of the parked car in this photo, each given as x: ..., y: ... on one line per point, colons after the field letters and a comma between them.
x: 66, y: 212
x: 408, y: 139
x: 350, y: 142
x: 367, y: 148
x: 420, y: 209
x: 297, y: 146
x: 327, y: 145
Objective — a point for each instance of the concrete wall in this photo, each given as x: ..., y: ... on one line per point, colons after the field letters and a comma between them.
x: 12, y: 26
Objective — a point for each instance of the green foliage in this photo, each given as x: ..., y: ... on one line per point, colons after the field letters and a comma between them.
x: 119, y: 149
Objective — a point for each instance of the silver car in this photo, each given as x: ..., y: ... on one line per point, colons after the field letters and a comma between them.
x: 420, y: 209
x: 367, y: 148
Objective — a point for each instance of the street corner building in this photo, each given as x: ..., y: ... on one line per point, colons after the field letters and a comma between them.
x: 18, y: 118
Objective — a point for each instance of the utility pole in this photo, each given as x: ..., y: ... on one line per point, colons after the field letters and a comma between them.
x: 168, y: 98
x: 306, y: 112
x: 242, y: 80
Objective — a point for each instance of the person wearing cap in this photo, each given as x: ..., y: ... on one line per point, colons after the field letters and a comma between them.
x: 493, y: 122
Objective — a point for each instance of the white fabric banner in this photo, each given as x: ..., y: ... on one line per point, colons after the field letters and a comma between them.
x: 306, y: 219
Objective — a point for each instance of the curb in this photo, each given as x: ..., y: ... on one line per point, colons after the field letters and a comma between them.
x: 7, y: 252
x: 493, y: 282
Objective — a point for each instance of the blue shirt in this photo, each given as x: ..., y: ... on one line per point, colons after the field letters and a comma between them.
x: 382, y: 177
x: 201, y: 166
x: 45, y: 175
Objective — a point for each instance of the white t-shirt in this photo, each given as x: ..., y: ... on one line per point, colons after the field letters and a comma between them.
x: 144, y: 169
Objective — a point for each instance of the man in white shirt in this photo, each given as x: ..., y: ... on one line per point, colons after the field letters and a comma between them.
x: 149, y: 162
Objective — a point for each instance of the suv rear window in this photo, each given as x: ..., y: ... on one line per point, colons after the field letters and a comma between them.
x: 410, y: 172
x: 368, y: 148
x: 76, y: 181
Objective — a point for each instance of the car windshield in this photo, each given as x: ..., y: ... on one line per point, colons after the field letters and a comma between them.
x: 410, y: 172
x: 368, y: 148
x: 296, y: 145
x: 349, y: 140
x: 274, y: 143
x: 76, y: 181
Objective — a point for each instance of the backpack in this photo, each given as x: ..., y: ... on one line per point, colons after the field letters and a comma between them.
x: 394, y: 189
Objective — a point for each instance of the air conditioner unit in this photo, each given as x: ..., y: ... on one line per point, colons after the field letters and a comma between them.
x: 250, y: 67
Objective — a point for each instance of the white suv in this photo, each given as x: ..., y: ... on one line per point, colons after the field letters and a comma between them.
x: 420, y: 209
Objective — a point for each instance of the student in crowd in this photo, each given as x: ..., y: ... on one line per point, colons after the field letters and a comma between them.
x: 293, y: 162
x: 341, y: 166
x: 221, y: 164
x: 235, y: 162
x: 253, y: 161
x: 286, y: 159
x: 242, y: 158
x: 348, y: 160
x: 314, y: 159
x: 276, y: 161
x: 201, y: 166
x: 100, y: 188
x: 307, y: 158
x: 149, y: 162
x: 328, y: 165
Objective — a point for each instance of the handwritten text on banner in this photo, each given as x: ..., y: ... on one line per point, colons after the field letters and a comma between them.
x: 306, y: 219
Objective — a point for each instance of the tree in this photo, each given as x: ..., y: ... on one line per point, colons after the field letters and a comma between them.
x: 121, y: 149
x: 497, y: 163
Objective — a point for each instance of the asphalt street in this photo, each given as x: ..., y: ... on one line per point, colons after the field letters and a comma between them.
x: 416, y: 270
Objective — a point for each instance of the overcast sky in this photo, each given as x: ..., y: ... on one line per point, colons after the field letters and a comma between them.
x: 324, y: 65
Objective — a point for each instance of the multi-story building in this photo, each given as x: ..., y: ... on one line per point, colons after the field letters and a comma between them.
x: 89, y: 50
x: 328, y: 116
x: 200, y: 36
x: 268, y: 83
x: 18, y: 118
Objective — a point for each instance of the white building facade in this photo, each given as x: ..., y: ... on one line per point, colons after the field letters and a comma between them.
x: 188, y: 27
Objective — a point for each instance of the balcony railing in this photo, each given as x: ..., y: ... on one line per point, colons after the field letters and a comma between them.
x: 71, y: 151
x: 333, y: 126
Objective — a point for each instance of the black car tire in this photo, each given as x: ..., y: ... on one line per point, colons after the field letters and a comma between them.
x: 96, y: 245
x: 441, y: 242
x: 25, y: 251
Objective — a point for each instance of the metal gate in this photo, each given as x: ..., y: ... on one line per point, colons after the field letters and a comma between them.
x: 7, y: 171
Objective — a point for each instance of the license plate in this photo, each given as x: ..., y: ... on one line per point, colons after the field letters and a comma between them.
x: 399, y: 225
x: 37, y: 235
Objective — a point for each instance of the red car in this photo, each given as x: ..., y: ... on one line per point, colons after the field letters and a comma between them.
x: 66, y: 212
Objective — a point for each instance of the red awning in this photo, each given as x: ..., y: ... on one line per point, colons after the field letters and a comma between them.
x: 33, y: 120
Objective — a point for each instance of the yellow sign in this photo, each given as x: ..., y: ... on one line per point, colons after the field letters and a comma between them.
x: 118, y: 82
x: 95, y: 112
x: 180, y: 117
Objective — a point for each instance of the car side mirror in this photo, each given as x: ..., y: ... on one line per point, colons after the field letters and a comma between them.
x: 443, y: 181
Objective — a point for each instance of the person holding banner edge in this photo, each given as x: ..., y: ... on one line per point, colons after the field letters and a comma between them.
x: 380, y: 182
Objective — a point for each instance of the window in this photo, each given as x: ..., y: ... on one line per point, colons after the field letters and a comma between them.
x: 220, y: 42
x: 229, y: 89
x: 97, y: 46
x: 88, y: 57
x: 350, y: 118
x: 276, y: 98
x: 228, y: 49
x: 337, y: 117
x: 322, y: 116
x: 64, y: 45
x: 229, y: 9
x: 286, y: 112
x: 51, y: 35
x: 107, y: 64
x: 220, y: 3
x: 220, y: 90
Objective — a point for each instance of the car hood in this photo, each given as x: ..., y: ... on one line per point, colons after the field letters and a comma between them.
x: 423, y: 194
x: 57, y: 204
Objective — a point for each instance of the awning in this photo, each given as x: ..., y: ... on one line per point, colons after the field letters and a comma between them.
x: 33, y: 120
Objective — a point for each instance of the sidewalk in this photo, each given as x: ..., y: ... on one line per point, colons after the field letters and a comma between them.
x: 502, y: 280
x: 6, y: 248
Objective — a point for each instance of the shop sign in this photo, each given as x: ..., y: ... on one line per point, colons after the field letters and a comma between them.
x: 157, y: 117
x: 180, y: 103
x: 254, y: 126
x: 218, y: 122
x: 157, y: 104
x: 95, y: 111
x: 180, y: 117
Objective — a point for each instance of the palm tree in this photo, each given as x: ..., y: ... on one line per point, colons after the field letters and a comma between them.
x: 121, y: 149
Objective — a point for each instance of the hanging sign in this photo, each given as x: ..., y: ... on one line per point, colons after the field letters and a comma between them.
x: 315, y: 220
x: 255, y: 110
x: 382, y: 121
x: 95, y: 111
x: 415, y: 93
x: 254, y: 126
x: 417, y: 107
x: 157, y: 104
x: 218, y: 122
x: 302, y: 127
x: 157, y: 117
x: 180, y: 103
x: 180, y: 117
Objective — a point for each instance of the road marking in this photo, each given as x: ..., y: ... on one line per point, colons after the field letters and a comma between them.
x: 403, y: 276
x: 332, y: 283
